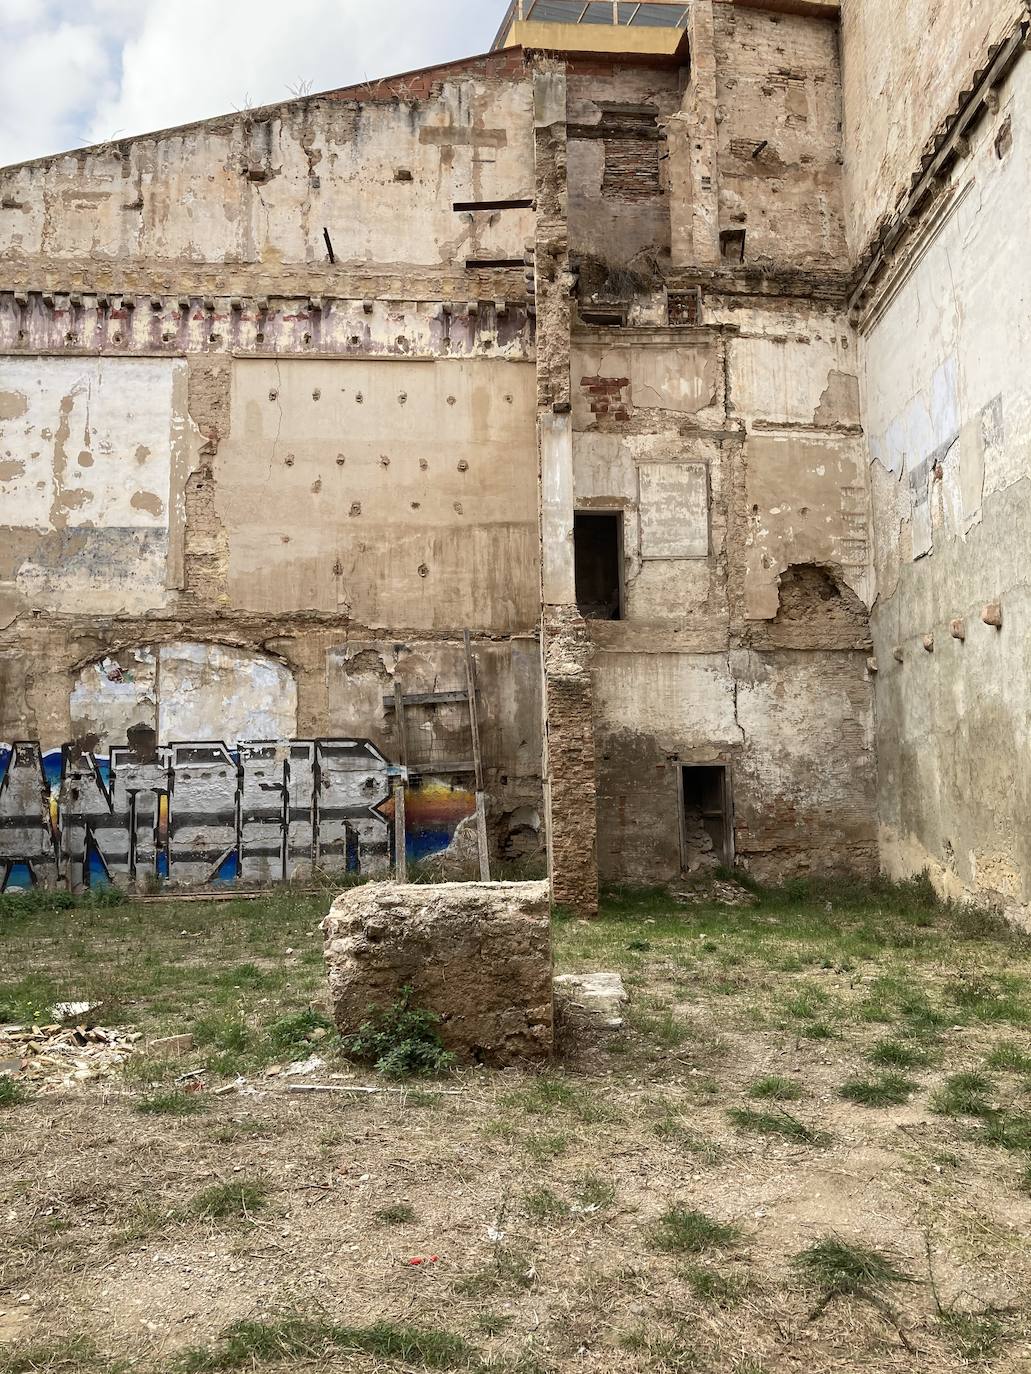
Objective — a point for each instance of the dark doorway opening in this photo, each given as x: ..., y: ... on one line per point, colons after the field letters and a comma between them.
x: 706, y: 825
x: 598, y: 557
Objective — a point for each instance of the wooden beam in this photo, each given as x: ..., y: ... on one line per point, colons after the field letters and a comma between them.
x: 425, y: 699
x: 481, y: 800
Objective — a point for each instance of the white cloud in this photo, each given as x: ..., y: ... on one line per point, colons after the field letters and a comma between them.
x: 52, y: 78
x: 130, y: 66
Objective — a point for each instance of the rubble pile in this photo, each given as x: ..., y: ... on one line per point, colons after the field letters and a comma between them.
x: 63, y: 1055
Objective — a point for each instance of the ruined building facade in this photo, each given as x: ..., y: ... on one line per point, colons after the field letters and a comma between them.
x: 589, y: 424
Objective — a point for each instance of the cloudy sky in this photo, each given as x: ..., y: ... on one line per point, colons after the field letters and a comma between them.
x: 82, y: 71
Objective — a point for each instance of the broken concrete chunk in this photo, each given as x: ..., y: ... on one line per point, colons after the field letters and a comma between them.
x: 594, y: 997
x: 175, y: 1046
x: 477, y: 954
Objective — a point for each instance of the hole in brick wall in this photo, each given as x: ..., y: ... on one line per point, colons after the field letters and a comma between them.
x: 598, y: 563
x: 706, y: 831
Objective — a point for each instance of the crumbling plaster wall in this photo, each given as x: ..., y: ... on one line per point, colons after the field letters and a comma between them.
x: 947, y: 406
x: 169, y: 285
x: 93, y: 459
x: 733, y: 451
x: 732, y: 448
x: 385, y: 490
x: 380, y: 172
x: 904, y: 66
x: 778, y: 117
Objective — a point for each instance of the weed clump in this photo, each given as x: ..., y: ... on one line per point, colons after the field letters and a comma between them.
x: 964, y: 1094
x: 171, y: 1103
x: 773, y: 1088
x: 886, y: 1090
x: 682, y: 1232
x: 840, y: 1269
x: 978, y: 1336
x: 898, y: 1054
x: 12, y: 1094
x: 295, y: 1035
x: 227, y: 1201
x: 401, y: 1041
x: 779, y: 1123
x: 397, y: 1214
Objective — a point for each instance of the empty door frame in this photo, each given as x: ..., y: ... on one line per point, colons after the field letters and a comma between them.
x: 724, y: 849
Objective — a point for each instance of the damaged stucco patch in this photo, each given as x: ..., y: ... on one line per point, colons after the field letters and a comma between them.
x: 77, y: 532
x: 807, y: 503
x: 185, y: 691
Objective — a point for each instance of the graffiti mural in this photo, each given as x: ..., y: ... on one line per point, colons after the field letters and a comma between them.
x: 198, y: 813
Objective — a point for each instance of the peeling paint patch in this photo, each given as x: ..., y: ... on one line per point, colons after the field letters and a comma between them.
x: 13, y: 405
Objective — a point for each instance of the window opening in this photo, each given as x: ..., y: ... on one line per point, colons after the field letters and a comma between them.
x: 598, y: 559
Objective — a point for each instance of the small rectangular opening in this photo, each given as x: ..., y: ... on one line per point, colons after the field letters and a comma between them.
x: 519, y: 204
x: 732, y: 245
x: 598, y: 558
x: 706, y: 824
x: 475, y: 264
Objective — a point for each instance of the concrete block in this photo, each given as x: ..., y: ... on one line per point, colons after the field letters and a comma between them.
x: 477, y: 954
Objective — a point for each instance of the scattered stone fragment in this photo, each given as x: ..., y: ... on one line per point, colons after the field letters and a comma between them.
x: 66, y: 1055
x: 175, y: 1046
x: 597, y: 998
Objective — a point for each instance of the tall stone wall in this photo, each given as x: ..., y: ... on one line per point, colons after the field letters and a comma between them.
x: 946, y: 403
x: 267, y: 449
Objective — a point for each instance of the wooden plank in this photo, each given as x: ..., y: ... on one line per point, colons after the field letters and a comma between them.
x: 399, y: 710
x: 481, y: 801
x: 400, y: 850
x: 425, y: 699
x: 481, y: 837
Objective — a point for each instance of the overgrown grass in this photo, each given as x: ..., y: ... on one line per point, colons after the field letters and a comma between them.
x: 779, y: 1123
x: 977, y: 1336
x: 236, y: 1200
x: 838, y: 1267
x: 12, y: 1093
x: 886, y: 1090
x: 773, y: 1088
x: 964, y: 1094
x: 682, y: 1232
x: 1009, y: 1057
x: 900, y: 1054
x: 70, y: 1355
x: 174, y: 1102
x: 247, y: 1344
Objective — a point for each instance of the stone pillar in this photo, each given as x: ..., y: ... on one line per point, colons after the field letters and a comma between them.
x: 569, y: 773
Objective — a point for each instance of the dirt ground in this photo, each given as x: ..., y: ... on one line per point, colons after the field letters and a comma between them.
x: 828, y: 1067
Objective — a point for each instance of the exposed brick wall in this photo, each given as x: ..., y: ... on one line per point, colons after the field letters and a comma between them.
x: 631, y: 169
x: 572, y: 781
x: 605, y: 396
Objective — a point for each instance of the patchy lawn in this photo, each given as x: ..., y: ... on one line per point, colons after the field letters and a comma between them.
x: 809, y: 1149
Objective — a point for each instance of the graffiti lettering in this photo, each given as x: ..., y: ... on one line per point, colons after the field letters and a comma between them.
x: 204, y: 812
